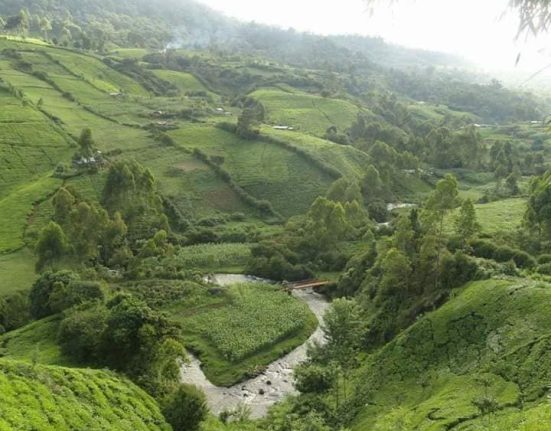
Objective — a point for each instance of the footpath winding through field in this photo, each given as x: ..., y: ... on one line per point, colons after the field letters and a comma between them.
x: 272, y: 385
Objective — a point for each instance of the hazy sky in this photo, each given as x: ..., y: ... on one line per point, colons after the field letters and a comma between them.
x: 475, y: 29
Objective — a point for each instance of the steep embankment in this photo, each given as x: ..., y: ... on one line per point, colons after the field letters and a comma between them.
x: 473, y: 363
x: 54, y: 398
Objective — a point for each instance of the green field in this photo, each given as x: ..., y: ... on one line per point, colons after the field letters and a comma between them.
x: 241, y: 329
x: 183, y: 81
x: 306, y: 112
x: 16, y: 271
x: 500, y: 216
x: 349, y: 161
x: 212, y: 257
x: 266, y: 171
x: 57, y: 399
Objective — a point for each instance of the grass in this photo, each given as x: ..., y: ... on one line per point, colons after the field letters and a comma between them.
x: 499, y: 216
x: 212, y: 257
x: 35, y: 342
x: 237, y: 332
x: 183, y: 81
x: 16, y: 208
x: 491, y: 340
x: 16, y: 271
x: 267, y: 171
x: 306, y: 112
x: 57, y: 398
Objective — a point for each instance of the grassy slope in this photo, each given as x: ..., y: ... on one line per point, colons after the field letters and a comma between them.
x: 491, y: 341
x: 16, y: 271
x: 266, y: 171
x: 500, y: 216
x: 349, y: 161
x: 56, y: 398
x: 306, y: 112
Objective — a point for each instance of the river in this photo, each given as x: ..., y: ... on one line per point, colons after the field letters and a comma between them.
x: 263, y: 391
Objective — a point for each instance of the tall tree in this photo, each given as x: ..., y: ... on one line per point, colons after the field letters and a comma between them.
x: 466, y: 224
x: 51, y: 246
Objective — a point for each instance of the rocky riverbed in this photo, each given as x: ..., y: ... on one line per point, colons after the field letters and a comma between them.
x: 274, y: 383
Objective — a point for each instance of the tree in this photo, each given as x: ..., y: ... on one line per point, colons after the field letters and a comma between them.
x: 80, y: 333
x: 51, y: 246
x: 440, y: 202
x: 42, y: 289
x: 45, y: 27
x: 185, y: 408
x: 24, y: 21
x: 396, y: 268
x: 246, y: 124
x: 86, y: 143
x: 538, y: 212
x: 344, y: 327
x: 466, y: 224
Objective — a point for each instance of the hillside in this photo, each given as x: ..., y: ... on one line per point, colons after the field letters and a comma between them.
x: 183, y: 196
x: 56, y: 398
x: 479, y: 361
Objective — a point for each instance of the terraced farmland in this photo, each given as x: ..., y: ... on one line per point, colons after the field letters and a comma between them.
x: 306, y: 112
x: 267, y: 171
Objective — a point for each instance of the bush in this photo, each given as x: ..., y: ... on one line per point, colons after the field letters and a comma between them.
x: 457, y: 269
x: 544, y: 258
x: 313, y: 379
x: 185, y: 408
x: 80, y: 333
x: 489, y: 250
x: 43, y: 288
x: 14, y: 311
x: 544, y: 268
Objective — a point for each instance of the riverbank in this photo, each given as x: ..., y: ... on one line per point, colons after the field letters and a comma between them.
x: 272, y: 385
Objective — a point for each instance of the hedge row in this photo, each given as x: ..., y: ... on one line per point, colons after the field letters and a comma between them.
x: 489, y: 250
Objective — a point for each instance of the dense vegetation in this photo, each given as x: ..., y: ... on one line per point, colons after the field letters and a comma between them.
x: 145, y: 146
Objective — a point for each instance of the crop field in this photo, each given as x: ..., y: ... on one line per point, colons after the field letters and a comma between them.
x: 30, y: 145
x: 97, y: 73
x: 244, y: 327
x: 183, y: 81
x: 306, y: 112
x: 478, y: 356
x: 266, y: 171
x: 213, y: 256
x: 118, y: 108
x: 17, y: 207
x: 347, y: 160
x: 107, y: 134
x: 62, y: 399
x: 195, y: 188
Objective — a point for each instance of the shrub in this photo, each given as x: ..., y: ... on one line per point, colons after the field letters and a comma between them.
x: 185, y: 408
x: 544, y: 268
x: 42, y: 289
x: 80, y: 333
x: 544, y: 258
x: 313, y: 379
x: 14, y: 310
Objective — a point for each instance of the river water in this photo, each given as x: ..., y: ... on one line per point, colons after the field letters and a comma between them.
x: 263, y: 391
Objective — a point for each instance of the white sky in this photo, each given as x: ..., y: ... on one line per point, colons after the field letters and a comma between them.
x: 478, y: 30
